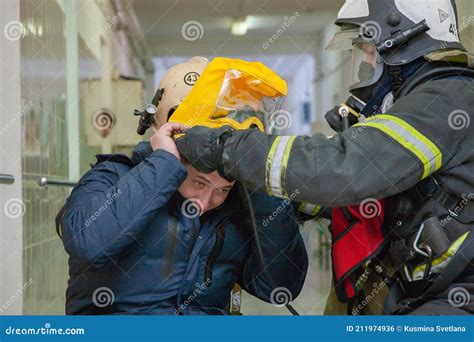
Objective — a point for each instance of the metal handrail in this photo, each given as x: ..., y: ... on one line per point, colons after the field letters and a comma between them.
x: 43, y: 181
x: 6, y: 179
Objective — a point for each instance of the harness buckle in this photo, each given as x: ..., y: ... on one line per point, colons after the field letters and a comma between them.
x: 429, y: 260
x: 417, y: 240
x: 422, y: 249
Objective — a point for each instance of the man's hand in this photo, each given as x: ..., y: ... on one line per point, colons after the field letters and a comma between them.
x: 202, y: 147
x: 162, y: 139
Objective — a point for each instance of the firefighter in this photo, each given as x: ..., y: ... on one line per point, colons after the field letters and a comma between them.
x: 399, y: 172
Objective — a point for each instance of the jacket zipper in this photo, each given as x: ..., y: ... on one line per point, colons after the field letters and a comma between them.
x: 216, y: 251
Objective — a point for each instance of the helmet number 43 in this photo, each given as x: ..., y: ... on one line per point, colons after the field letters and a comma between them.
x: 191, y: 78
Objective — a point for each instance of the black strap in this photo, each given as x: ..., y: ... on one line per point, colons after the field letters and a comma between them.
x: 397, y: 78
x: 460, y: 208
x: 444, y: 198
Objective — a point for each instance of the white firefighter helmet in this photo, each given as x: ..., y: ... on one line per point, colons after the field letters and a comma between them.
x: 392, y: 33
x: 176, y: 84
x: 374, y: 20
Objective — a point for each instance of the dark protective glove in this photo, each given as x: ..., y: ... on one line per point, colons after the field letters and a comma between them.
x: 202, y: 147
x: 334, y: 119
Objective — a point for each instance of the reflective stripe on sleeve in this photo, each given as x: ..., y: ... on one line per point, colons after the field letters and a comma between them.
x: 277, y: 161
x: 407, y: 136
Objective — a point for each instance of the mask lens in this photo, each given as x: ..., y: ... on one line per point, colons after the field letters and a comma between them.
x: 364, y: 62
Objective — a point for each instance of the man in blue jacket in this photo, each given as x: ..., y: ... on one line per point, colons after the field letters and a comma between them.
x: 150, y: 235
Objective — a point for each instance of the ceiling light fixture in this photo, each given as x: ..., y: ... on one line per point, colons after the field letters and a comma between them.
x: 239, y: 26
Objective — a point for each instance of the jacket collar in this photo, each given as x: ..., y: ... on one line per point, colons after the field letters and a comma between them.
x: 141, y: 152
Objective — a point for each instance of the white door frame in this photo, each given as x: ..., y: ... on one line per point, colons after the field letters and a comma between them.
x: 11, y: 204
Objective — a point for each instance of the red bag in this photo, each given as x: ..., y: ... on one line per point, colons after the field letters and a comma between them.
x: 356, y: 237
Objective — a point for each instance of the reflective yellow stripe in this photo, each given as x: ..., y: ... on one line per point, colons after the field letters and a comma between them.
x: 276, y: 163
x: 310, y: 209
x: 405, y: 143
x: 417, y: 134
x: 419, y: 271
x: 284, y: 164
x: 406, y: 135
x: 268, y: 164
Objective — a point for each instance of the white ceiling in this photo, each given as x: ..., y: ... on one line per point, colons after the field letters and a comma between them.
x: 162, y: 22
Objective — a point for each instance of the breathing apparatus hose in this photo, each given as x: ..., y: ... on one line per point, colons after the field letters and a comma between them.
x: 260, y: 251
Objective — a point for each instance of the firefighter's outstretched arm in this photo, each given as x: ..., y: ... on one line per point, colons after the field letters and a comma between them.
x: 378, y: 158
x: 344, y: 169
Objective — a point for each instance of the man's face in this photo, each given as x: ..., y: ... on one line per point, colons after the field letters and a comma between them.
x: 370, y: 54
x: 207, y: 190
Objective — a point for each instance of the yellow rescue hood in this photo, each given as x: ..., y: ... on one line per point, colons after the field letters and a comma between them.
x: 231, y: 92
